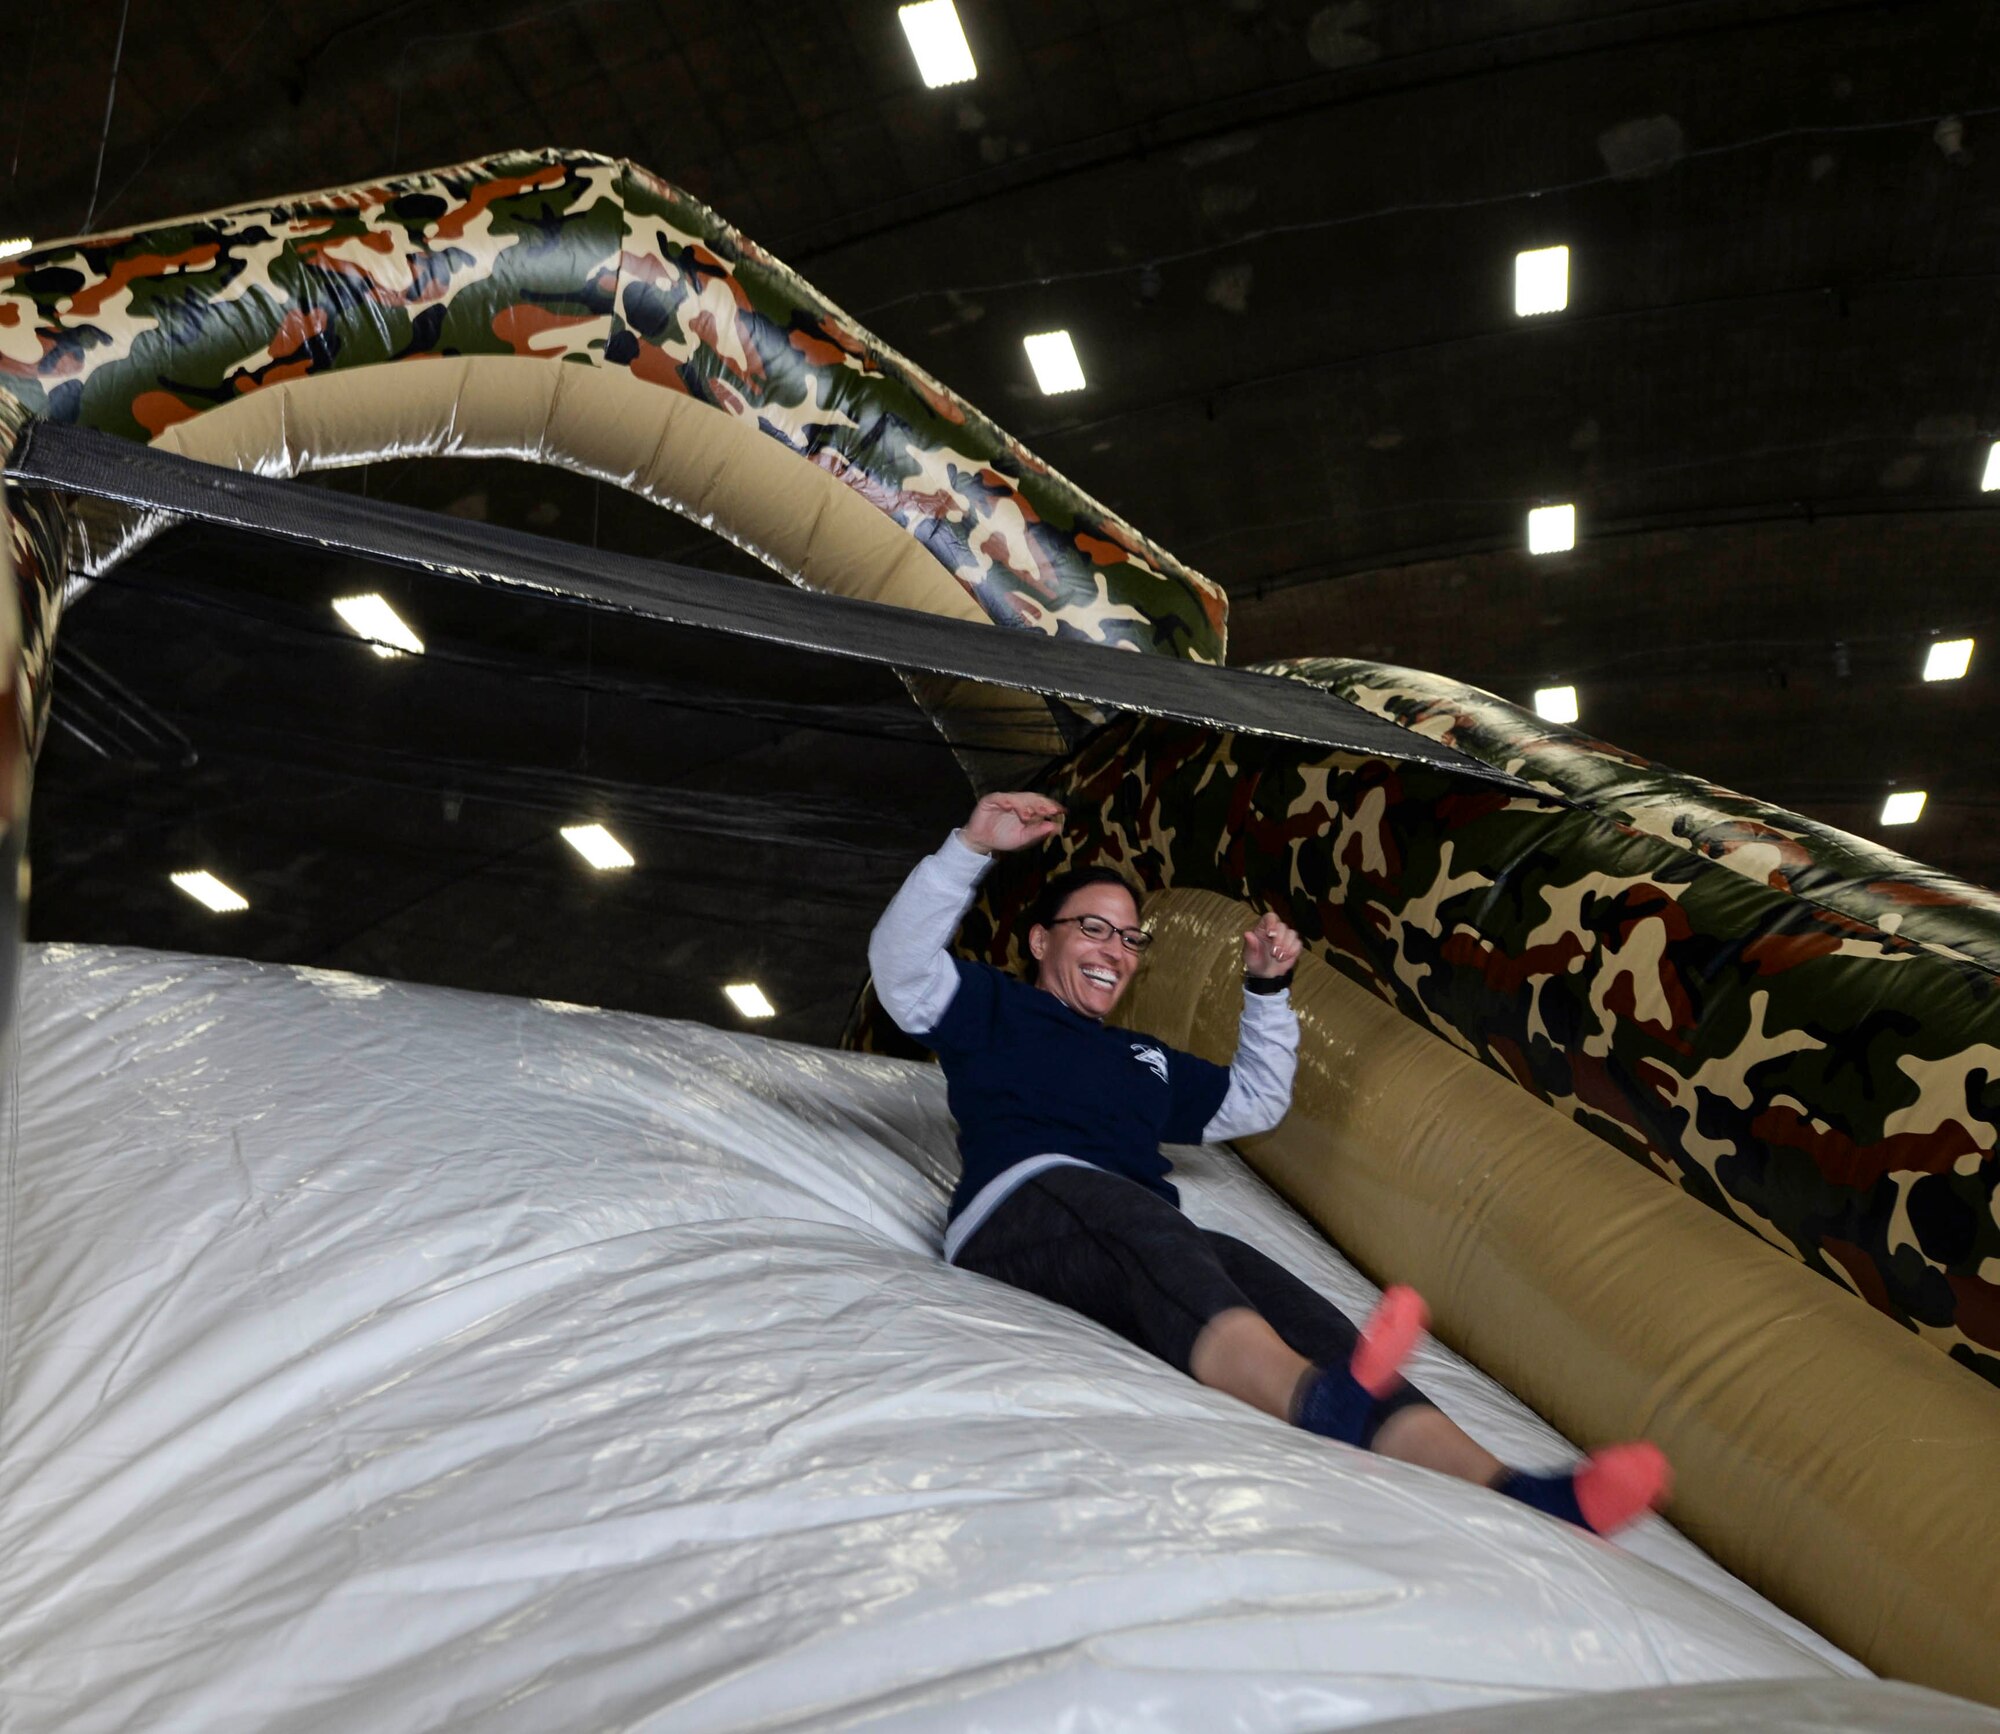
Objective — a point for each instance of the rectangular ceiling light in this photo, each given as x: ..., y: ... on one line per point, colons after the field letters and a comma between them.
x: 1903, y: 807
x: 1556, y: 703
x: 1949, y: 659
x: 1991, y: 480
x: 14, y: 246
x: 748, y: 998
x: 373, y: 619
x: 1541, y: 281
x: 206, y: 888
x: 1551, y: 529
x: 937, y: 39
x: 1053, y: 357
x: 597, y: 846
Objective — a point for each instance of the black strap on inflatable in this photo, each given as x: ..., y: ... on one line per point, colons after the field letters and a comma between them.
x: 81, y: 461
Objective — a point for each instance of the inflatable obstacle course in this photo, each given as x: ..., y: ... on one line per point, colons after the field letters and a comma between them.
x: 1816, y: 1066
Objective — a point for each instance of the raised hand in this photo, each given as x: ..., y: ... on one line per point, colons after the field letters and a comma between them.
x: 1270, y: 948
x: 1011, y: 821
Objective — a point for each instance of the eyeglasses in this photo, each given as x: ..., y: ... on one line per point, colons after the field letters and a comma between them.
x: 1096, y: 927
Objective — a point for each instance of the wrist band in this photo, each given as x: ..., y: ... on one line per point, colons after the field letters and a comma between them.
x: 1267, y: 983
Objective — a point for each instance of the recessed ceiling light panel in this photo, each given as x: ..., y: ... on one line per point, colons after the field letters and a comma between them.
x: 1551, y: 529
x: 372, y: 618
x: 1053, y: 357
x: 597, y: 846
x: 1556, y: 703
x: 204, y: 887
x: 1991, y: 480
x: 1949, y: 659
x: 14, y: 246
x: 937, y: 39
x: 1541, y: 281
x: 1904, y: 807
x: 748, y: 998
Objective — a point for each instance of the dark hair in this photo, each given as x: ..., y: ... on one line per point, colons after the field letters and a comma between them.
x: 1059, y: 888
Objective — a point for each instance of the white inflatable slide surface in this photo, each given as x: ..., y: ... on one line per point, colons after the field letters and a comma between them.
x: 388, y: 1358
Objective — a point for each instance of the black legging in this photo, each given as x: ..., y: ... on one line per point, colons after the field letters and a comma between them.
x: 1113, y: 1250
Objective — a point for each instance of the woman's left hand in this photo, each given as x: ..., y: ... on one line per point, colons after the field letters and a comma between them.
x: 1270, y: 948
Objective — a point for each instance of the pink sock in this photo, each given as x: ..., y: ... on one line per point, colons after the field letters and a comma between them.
x: 1388, y: 1339
x: 1621, y: 1483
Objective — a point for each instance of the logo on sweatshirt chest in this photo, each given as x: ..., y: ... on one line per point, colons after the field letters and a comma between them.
x: 1153, y: 1058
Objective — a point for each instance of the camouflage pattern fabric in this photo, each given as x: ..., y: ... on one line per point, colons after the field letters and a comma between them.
x: 1824, y: 1082
x: 38, y: 543
x: 18, y: 709
x: 1833, y: 869
x: 581, y: 259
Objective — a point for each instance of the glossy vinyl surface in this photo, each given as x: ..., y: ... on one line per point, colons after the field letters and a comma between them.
x: 396, y: 1357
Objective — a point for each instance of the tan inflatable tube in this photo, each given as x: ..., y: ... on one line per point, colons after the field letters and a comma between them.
x: 1618, y: 1307
x: 676, y: 451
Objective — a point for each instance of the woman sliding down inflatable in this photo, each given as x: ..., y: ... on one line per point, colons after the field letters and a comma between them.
x: 1065, y: 1192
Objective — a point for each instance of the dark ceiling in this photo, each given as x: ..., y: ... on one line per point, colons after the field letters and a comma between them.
x: 401, y: 816
x: 1282, y: 233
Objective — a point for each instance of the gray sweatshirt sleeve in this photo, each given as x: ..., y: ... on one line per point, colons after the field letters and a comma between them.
x: 1260, y: 1077
x: 914, y: 977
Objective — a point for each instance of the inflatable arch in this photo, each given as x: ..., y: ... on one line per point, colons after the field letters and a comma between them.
x: 1525, y: 1012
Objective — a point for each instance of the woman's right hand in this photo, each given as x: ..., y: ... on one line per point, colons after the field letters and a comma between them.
x: 1011, y: 821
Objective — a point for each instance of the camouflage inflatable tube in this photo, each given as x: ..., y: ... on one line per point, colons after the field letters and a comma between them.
x: 703, y: 347
x: 18, y: 554
x: 1832, y: 870
x: 1823, y: 1454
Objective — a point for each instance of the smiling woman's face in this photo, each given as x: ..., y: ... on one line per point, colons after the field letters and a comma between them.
x: 1087, y: 975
